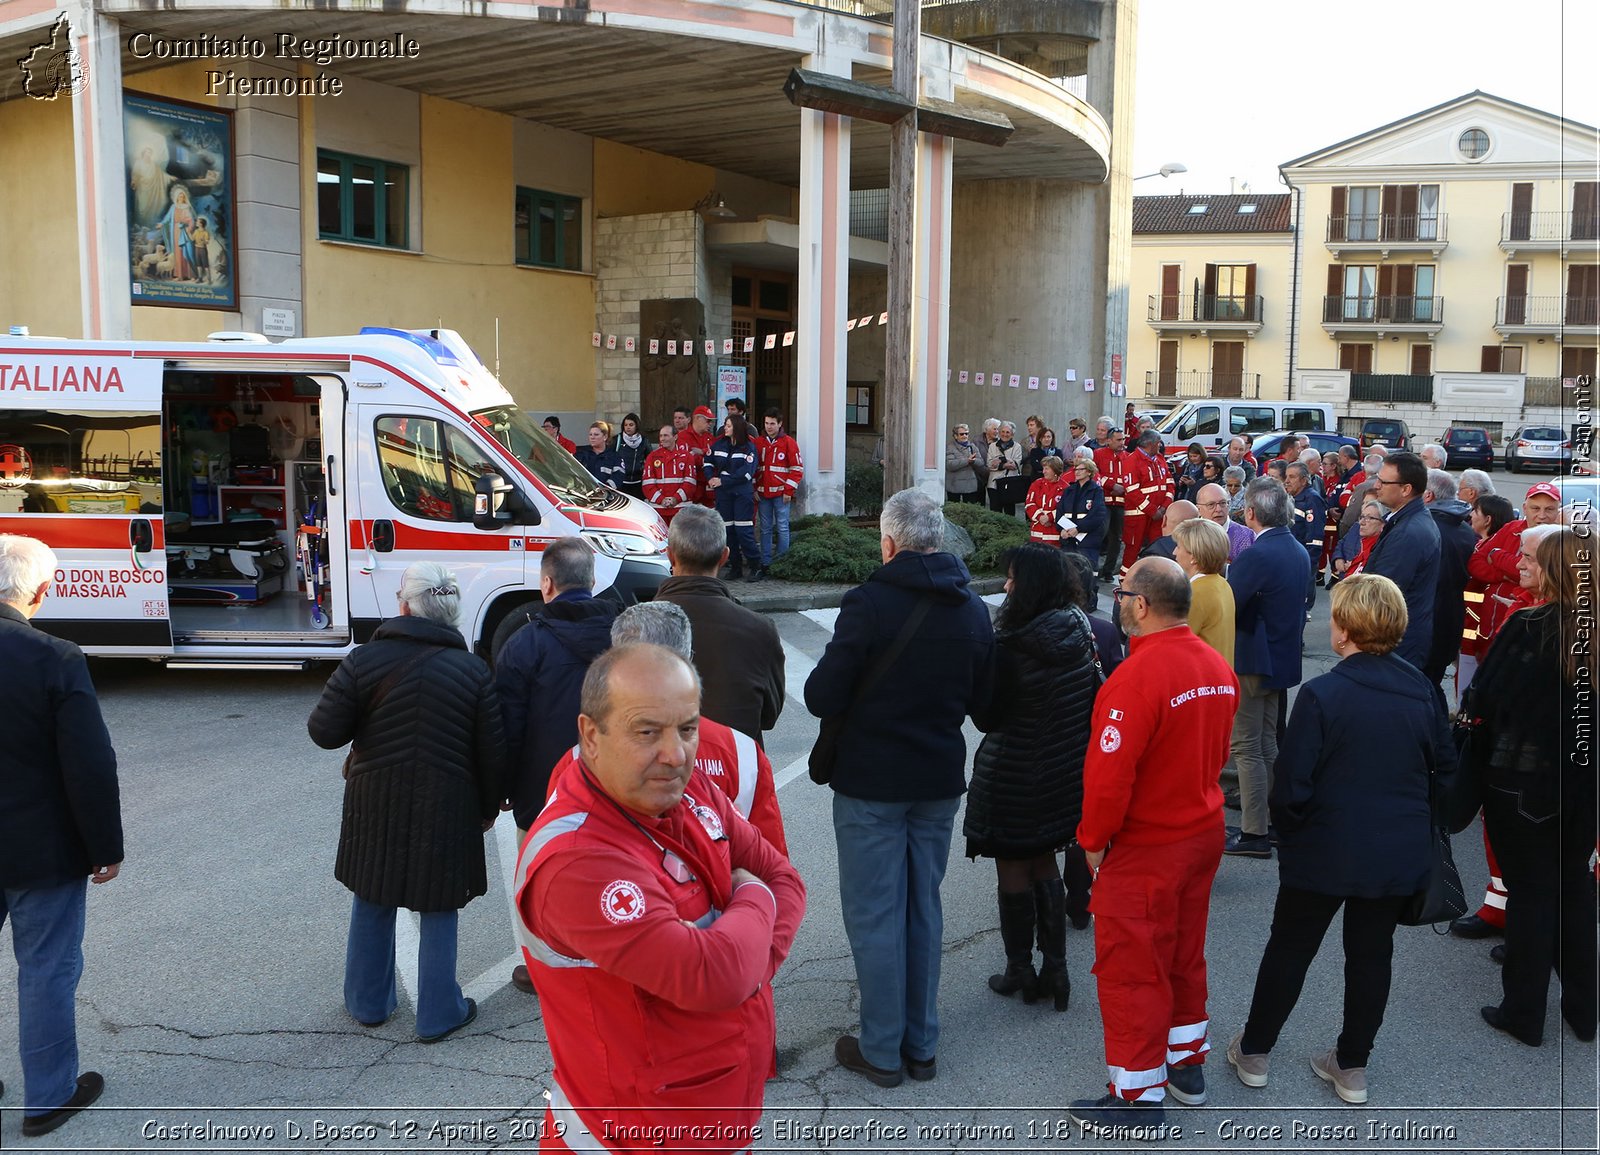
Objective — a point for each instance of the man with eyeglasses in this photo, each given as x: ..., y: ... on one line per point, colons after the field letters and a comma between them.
x: 1212, y: 502
x: 1407, y: 552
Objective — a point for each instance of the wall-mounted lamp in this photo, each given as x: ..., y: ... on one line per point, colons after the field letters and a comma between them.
x: 713, y: 205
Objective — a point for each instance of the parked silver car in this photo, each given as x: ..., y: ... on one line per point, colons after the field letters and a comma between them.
x: 1538, y: 445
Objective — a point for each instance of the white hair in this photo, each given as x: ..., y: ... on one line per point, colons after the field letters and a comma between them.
x: 431, y: 591
x: 656, y: 623
x: 1371, y: 462
x: 1435, y: 448
x: 1476, y: 480
x: 1008, y: 425
x: 913, y: 521
x: 26, y: 563
x: 1441, y: 485
x: 1537, y: 533
x: 1084, y: 452
x: 1310, y: 456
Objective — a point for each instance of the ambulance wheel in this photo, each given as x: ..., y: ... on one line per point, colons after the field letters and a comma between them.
x: 512, y: 620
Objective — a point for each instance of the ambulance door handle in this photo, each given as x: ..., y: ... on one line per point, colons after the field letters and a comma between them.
x: 383, y: 535
x: 140, y: 536
x: 333, y: 489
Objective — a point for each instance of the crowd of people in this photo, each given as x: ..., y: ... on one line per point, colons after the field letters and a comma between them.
x: 654, y: 898
x: 750, y: 475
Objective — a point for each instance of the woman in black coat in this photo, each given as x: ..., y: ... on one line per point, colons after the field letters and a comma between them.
x: 423, y: 782
x: 1536, y: 695
x: 631, y: 449
x: 1027, y: 778
x: 1354, y: 823
x: 1081, y: 512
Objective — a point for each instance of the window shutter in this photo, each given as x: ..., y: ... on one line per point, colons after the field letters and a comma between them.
x: 1521, y: 212
x: 1336, y: 211
x: 1421, y: 360
x: 1489, y: 361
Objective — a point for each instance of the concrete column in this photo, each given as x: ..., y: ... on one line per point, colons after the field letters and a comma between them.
x: 931, y: 312
x: 267, y: 198
x: 824, y: 260
x: 103, y: 270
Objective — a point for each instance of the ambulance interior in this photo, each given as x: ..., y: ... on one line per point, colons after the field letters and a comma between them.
x: 244, y: 507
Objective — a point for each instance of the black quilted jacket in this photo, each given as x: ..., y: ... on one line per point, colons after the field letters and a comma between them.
x: 1027, y: 777
x: 425, y: 768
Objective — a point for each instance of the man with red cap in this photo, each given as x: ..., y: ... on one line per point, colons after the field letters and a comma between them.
x: 697, y: 440
x: 1152, y: 832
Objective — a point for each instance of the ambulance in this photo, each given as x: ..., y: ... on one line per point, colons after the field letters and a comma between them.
x: 239, y: 503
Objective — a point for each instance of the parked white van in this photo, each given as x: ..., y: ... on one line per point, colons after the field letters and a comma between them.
x: 1214, y: 421
x: 235, y: 503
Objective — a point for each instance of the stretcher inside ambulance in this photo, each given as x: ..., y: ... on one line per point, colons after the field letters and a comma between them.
x: 237, y: 502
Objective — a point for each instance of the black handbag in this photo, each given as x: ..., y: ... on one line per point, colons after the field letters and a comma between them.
x: 1442, y: 899
x: 825, y: 751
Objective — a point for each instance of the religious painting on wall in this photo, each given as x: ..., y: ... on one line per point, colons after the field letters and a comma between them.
x: 180, y: 203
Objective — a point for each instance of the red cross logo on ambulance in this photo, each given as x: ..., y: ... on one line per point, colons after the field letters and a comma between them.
x: 622, y: 901
x: 16, y: 466
x: 1110, y: 740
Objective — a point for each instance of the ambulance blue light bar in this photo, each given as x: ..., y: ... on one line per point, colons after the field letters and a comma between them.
x: 438, y: 350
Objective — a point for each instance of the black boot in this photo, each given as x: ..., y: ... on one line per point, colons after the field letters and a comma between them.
x: 1078, y: 879
x: 1016, y: 933
x: 1050, y: 896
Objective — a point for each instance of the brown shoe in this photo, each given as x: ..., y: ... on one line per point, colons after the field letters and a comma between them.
x: 521, y: 980
x: 1349, y: 1082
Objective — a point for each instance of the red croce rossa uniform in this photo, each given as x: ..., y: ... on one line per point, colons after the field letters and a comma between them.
x: 662, y: 1033
x: 1148, y: 484
x: 1041, y: 510
x: 699, y: 444
x: 781, y: 467
x: 1160, y: 735
x: 671, y: 479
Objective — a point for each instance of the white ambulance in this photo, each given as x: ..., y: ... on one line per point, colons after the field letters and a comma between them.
x: 239, y: 503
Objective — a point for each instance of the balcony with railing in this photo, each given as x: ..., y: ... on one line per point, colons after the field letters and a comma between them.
x: 1547, y: 232
x: 1387, y: 232
x: 1204, y: 312
x: 1554, y: 391
x: 1382, y: 314
x: 1524, y: 315
x: 1392, y: 388
x: 1200, y: 383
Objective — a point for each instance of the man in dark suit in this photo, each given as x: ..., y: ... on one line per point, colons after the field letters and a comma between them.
x: 1269, y: 583
x: 60, y: 824
x: 899, y: 774
x: 1451, y: 516
x: 1407, y: 552
x: 737, y: 652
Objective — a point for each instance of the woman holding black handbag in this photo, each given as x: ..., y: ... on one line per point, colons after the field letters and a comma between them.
x: 1535, y: 694
x: 1355, y: 830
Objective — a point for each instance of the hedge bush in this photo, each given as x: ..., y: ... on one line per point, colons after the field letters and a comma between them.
x: 863, y: 489
x: 992, y: 534
x: 827, y: 548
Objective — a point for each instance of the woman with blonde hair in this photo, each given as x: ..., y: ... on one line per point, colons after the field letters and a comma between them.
x: 1535, y: 696
x: 1354, y: 830
x: 1201, y: 548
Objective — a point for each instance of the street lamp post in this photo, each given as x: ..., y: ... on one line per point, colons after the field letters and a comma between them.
x: 1166, y: 170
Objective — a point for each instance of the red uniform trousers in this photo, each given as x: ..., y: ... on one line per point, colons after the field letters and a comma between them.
x: 1138, y: 531
x: 1150, y: 905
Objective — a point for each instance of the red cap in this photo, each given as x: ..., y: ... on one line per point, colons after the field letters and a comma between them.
x: 705, y: 411
x: 1547, y: 488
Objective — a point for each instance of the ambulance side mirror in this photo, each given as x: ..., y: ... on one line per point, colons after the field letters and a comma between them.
x: 496, y: 504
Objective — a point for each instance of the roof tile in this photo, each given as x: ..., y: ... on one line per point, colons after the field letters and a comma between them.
x: 1172, y: 214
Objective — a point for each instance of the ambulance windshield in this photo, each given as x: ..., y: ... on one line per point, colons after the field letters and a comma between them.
x: 536, y: 449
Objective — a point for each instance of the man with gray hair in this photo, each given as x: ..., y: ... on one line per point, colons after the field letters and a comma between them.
x: 912, y: 655
x: 1434, y: 455
x: 539, y: 675
x: 1456, y: 543
x: 1212, y: 502
x: 738, y: 653
x: 1269, y: 583
x: 1473, y: 484
x: 728, y: 757
x: 60, y: 825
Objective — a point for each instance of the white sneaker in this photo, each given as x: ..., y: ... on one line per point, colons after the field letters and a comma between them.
x: 1251, y: 1069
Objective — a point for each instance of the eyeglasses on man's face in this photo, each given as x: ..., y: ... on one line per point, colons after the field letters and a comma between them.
x: 1118, y: 594
x: 1217, y: 504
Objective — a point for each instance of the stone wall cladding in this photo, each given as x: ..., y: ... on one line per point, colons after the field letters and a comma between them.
x: 641, y: 258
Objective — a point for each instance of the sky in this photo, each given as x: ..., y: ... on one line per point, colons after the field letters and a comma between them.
x: 1232, y: 90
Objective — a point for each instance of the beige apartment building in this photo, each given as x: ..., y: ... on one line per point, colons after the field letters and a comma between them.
x: 1444, y: 268
x: 1211, y: 296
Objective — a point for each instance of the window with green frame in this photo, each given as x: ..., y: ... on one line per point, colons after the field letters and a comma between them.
x: 361, y: 199
x: 549, y: 229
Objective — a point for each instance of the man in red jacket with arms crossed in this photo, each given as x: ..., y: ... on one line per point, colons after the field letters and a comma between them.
x: 671, y: 475
x: 1152, y: 830
x: 653, y: 919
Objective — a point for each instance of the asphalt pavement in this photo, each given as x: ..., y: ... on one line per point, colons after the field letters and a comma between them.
x: 211, y: 997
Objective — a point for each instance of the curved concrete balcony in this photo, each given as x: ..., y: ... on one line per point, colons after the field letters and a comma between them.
x: 701, y: 80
